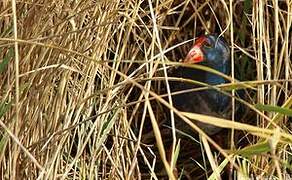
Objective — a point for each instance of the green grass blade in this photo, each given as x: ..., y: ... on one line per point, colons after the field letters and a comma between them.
x: 6, y: 60
x: 256, y: 149
x: 271, y: 108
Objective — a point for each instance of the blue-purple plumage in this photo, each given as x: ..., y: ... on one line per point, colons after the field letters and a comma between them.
x: 209, y: 102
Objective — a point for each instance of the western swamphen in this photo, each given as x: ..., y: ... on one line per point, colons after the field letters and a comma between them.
x: 211, y: 51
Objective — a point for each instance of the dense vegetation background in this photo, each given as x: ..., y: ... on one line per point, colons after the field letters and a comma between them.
x: 82, y: 85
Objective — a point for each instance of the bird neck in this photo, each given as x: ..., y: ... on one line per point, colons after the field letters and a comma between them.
x: 214, y: 79
x: 214, y: 96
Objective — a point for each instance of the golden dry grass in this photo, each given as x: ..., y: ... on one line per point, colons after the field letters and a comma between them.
x: 84, y: 88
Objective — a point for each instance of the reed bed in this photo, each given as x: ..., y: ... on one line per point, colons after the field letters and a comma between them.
x: 84, y: 89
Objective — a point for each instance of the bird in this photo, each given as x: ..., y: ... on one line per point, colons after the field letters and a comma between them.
x: 212, y: 51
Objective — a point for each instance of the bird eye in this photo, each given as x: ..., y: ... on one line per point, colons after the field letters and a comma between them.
x: 207, y: 44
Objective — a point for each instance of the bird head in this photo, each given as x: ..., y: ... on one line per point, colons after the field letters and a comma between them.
x: 209, y: 50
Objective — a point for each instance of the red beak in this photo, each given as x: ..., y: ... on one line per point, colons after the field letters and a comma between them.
x: 196, y: 55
